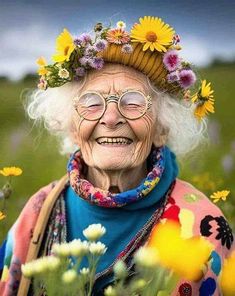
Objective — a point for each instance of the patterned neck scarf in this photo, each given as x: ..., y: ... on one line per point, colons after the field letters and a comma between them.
x: 105, y: 198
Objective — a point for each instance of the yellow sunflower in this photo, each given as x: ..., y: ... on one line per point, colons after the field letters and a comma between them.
x: 42, y: 63
x: 153, y: 32
x: 11, y: 171
x: 64, y: 47
x: 219, y: 195
x: 204, y: 100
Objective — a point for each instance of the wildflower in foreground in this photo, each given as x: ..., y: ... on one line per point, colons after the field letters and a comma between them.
x: 204, y: 100
x: 69, y: 276
x: 11, y: 171
x: 94, y: 232
x: 186, y: 257
x: 153, y: 32
x: 220, y: 195
x: 97, y: 248
x: 146, y: 257
x: 227, y: 279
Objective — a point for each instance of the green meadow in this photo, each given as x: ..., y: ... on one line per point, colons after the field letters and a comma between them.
x: 210, y: 168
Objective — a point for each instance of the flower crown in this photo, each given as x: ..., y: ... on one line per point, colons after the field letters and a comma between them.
x: 151, y: 47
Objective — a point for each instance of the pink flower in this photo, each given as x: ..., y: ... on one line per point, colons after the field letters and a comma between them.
x: 186, y: 78
x: 171, y: 60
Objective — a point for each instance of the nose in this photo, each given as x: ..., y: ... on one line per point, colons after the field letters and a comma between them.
x: 112, y: 117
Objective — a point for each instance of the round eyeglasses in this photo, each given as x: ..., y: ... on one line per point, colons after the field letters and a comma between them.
x: 131, y: 104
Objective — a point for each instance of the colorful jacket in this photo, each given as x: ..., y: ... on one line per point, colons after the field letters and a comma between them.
x: 191, y: 208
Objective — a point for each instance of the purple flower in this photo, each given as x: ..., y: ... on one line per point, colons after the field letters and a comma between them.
x: 86, y: 38
x: 80, y: 71
x: 89, y: 50
x: 172, y: 77
x: 85, y: 60
x: 97, y: 63
x: 77, y: 41
x: 171, y: 60
x: 186, y: 78
x: 127, y: 48
x: 100, y: 45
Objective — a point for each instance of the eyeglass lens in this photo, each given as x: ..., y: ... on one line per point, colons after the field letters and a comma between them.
x: 91, y: 106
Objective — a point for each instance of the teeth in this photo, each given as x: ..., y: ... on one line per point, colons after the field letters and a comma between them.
x: 119, y: 141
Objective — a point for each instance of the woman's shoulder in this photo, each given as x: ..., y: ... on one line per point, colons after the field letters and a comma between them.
x: 188, y: 196
x: 198, y: 215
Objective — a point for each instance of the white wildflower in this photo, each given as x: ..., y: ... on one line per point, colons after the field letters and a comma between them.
x: 97, y: 248
x: 27, y: 270
x: 63, y: 73
x: 146, y: 257
x: 121, y: 25
x: 53, y: 263
x: 69, y: 276
x: 110, y: 291
x: 62, y: 250
x: 120, y: 270
x: 94, y: 232
x: 84, y: 271
x: 78, y: 248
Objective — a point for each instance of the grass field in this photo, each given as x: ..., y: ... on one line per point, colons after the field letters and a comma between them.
x: 36, y: 152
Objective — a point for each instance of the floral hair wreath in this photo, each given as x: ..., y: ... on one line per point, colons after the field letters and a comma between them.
x: 151, y: 47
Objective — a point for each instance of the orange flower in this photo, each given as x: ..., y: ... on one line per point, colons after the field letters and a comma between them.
x: 117, y: 36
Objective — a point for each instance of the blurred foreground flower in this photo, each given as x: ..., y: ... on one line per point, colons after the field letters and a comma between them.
x: 220, y: 195
x: 63, y: 266
x: 227, y: 279
x: 11, y: 171
x: 186, y: 257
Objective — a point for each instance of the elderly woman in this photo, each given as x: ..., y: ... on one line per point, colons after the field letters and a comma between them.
x: 121, y: 105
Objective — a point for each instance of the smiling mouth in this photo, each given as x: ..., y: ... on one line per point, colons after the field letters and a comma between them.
x: 114, y: 141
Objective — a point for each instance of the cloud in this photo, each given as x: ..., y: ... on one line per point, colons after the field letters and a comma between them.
x: 196, y: 51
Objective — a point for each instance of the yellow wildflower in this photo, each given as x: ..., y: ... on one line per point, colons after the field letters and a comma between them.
x: 64, y: 47
x: 153, y: 32
x: 186, y: 257
x: 11, y: 171
x: 204, y: 100
x: 42, y: 63
x: 2, y: 216
x: 216, y: 196
x: 227, y: 279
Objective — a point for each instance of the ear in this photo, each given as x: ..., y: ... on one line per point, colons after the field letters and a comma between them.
x: 161, y: 135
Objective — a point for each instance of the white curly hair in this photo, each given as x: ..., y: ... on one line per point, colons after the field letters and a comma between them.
x: 54, y: 108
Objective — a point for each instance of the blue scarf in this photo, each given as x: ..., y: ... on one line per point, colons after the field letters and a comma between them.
x: 121, y: 223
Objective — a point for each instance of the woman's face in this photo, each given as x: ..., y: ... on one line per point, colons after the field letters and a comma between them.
x: 92, y: 136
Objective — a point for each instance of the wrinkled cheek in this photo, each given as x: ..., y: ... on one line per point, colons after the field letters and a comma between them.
x: 144, y: 132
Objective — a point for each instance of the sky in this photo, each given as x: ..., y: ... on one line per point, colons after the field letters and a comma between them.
x: 28, y: 29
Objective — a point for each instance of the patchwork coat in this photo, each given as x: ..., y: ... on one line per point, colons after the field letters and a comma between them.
x: 197, y: 215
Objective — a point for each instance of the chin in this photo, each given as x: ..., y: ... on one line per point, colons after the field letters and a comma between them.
x: 111, y: 164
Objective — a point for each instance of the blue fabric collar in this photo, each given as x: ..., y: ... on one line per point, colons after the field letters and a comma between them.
x: 121, y: 223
